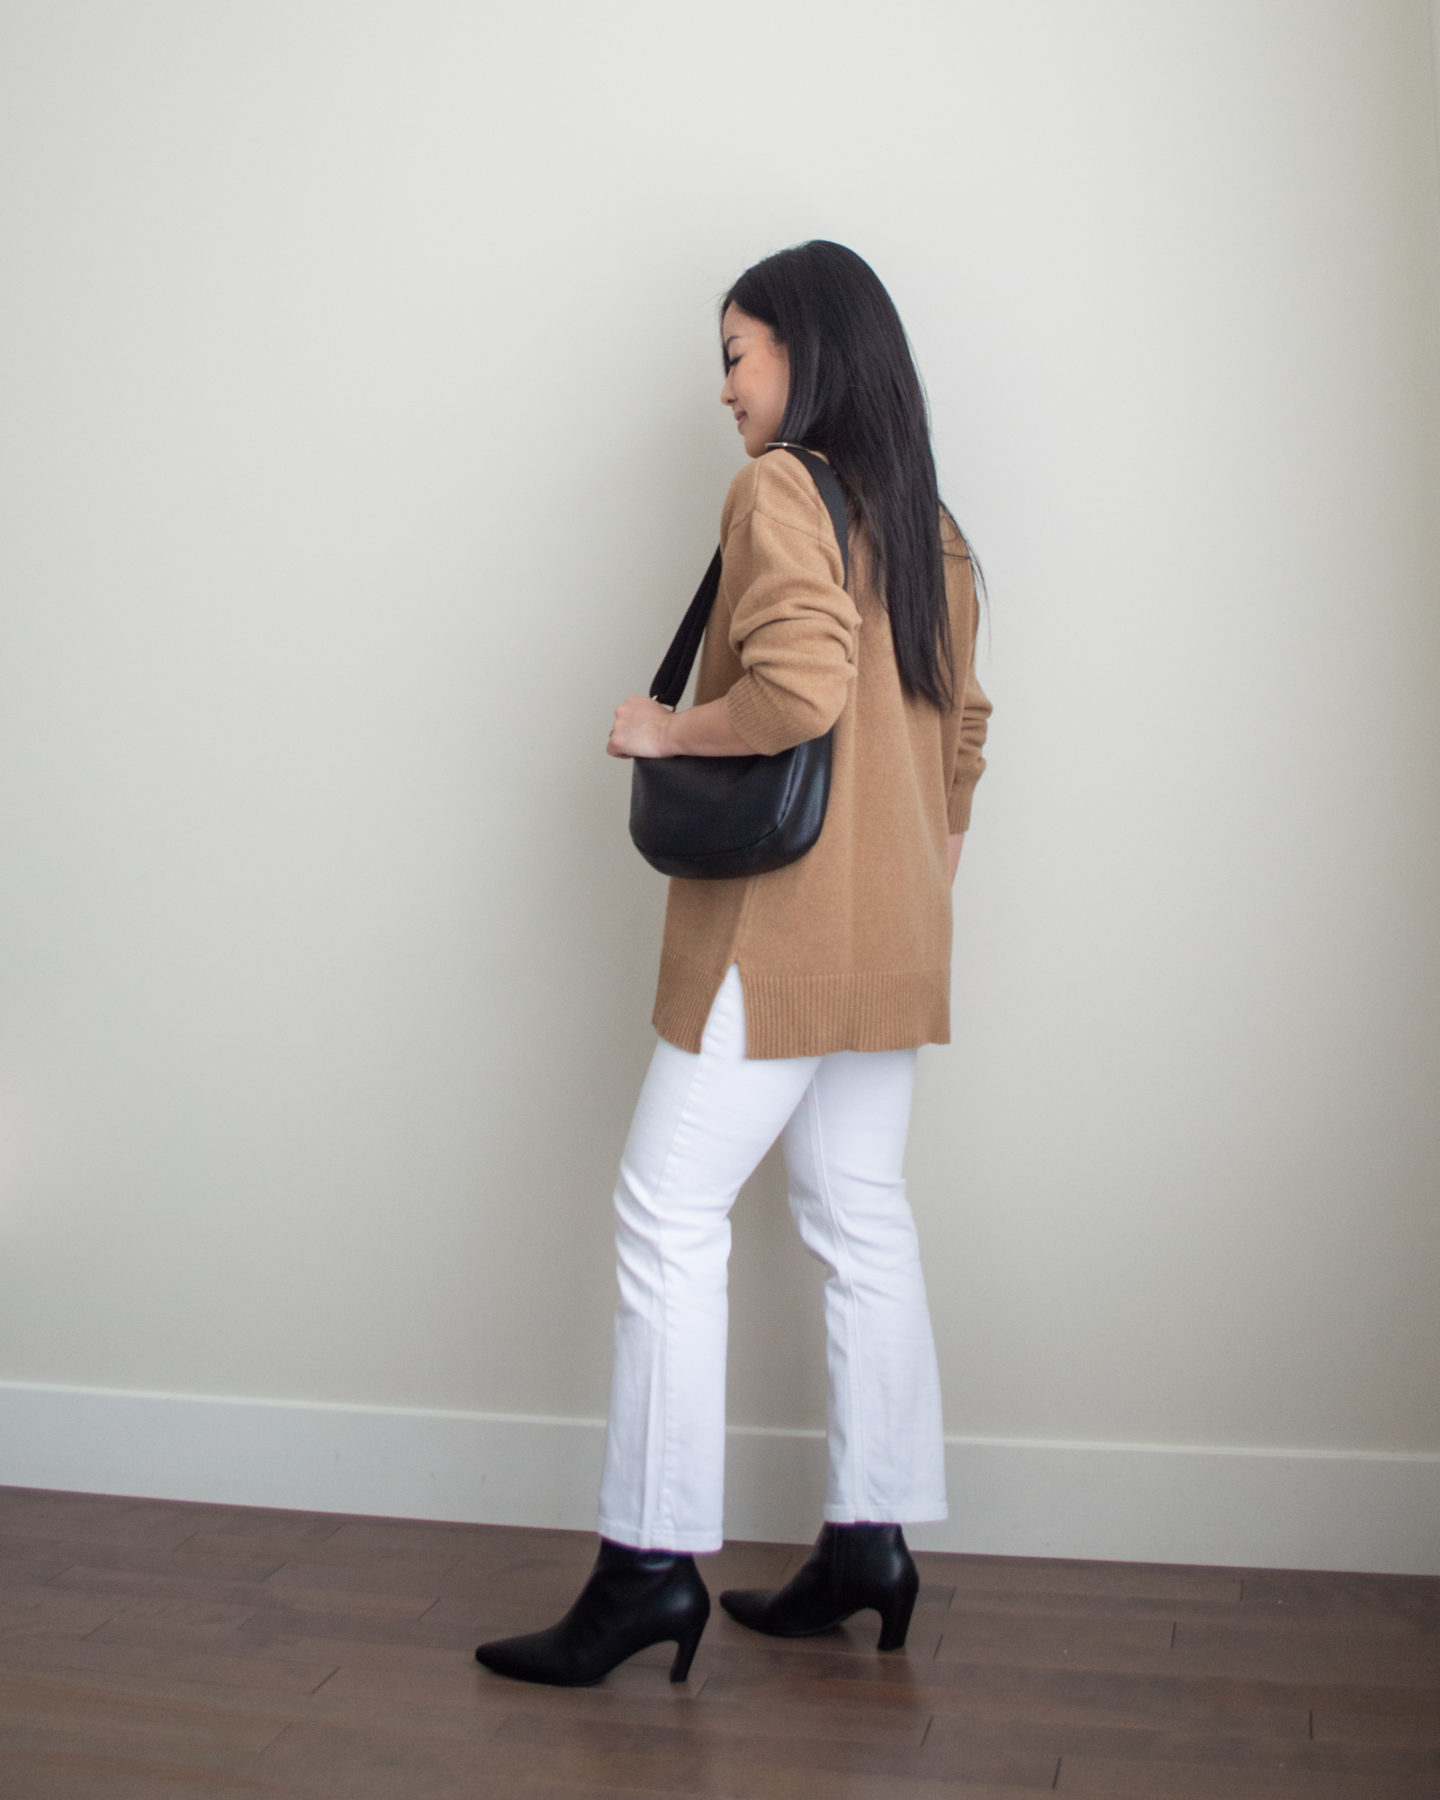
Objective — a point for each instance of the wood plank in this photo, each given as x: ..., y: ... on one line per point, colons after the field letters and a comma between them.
x: 1415, y: 1730
x: 1306, y: 1592
x: 273, y: 1670
x: 487, y: 1543
x: 38, y: 1509
x: 1362, y: 1651
x: 334, y: 1762
x: 48, y: 1612
x: 422, y: 1567
x: 1013, y: 1575
x: 79, y: 1773
x: 1286, y: 1779
x: 407, y: 1619
x: 758, y: 1765
x: 1216, y: 1763
x: 380, y: 1575
x: 175, y: 1581
x: 52, y: 1703
x: 1060, y: 1640
x: 1082, y: 1604
x: 35, y: 1512
x: 128, y: 1556
x: 1043, y: 1696
x: 32, y: 1570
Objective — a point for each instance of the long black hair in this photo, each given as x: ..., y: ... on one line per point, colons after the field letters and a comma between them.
x: 855, y: 394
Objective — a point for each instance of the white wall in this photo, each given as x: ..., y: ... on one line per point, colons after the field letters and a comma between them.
x: 360, y: 447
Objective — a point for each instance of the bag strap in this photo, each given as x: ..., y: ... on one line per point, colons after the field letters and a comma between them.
x: 674, y: 672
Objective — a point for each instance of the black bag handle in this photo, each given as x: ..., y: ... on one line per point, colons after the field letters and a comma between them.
x: 674, y: 672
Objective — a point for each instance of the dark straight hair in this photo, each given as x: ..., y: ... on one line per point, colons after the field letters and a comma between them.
x: 855, y: 394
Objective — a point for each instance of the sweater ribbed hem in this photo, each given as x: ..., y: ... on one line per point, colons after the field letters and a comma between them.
x: 809, y: 1015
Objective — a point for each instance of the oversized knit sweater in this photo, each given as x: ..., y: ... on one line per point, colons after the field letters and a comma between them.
x: 847, y: 948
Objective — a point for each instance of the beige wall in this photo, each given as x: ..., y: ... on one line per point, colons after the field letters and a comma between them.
x: 360, y: 447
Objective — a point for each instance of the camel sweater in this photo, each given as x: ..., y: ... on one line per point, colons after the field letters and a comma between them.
x: 849, y: 947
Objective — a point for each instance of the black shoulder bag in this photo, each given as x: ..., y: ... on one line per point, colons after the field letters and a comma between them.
x: 716, y: 816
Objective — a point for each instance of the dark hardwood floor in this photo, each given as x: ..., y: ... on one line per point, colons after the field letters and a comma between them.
x: 157, y: 1648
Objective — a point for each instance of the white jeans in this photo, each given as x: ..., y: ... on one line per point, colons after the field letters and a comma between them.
x: 701, y: 1125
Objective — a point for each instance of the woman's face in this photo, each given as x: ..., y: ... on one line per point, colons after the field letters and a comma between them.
x: 757, y: 378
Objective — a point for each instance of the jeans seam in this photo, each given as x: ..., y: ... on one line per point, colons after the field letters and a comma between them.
x: 855, y: 1386
x: 661, y: 1232
x: 665, y: 1525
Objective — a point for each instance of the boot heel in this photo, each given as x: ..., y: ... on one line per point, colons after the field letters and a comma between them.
x: 895, y: 1622
x: 685, y: 1648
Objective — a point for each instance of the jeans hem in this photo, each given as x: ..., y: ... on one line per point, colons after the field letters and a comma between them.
x: 919, y: 1514
x: 683, y: 1543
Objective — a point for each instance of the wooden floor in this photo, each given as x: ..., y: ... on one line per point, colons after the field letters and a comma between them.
x: 157, y: 1648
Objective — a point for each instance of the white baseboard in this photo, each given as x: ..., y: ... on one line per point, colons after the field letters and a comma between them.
x: 1128, y: 1502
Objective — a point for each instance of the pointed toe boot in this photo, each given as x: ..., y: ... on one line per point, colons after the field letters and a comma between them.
x: 632, y: 1599
x: 851, y: 1567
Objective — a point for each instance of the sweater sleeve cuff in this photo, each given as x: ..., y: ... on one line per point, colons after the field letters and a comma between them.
x: 958, y: 810
x: 755, y: 717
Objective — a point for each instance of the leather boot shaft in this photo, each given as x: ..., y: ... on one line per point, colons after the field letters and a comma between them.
x: 633, y: 1598
x: 851, y: 1567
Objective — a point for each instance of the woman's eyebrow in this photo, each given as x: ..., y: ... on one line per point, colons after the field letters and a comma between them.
x: 731, y: 339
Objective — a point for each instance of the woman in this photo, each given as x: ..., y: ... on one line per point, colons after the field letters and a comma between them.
x: 791, y: 1004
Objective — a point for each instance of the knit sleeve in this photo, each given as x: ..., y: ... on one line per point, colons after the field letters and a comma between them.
x: 969, y: 763
x: 975, y: 712
x: 793, y: 626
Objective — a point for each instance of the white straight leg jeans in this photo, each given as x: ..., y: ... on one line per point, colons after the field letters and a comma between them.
x: 702, y: 1123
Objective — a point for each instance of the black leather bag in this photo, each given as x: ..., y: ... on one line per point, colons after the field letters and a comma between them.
x: 711, y: 817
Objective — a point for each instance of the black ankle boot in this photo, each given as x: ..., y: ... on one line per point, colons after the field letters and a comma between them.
x: 851, y: 1567
x: 633, y: 1598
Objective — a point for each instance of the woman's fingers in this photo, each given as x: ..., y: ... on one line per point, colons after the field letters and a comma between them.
x: 637, y: 728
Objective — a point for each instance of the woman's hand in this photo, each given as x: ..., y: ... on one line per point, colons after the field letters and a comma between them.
x: 641, y: 728
x: 645, y: 728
